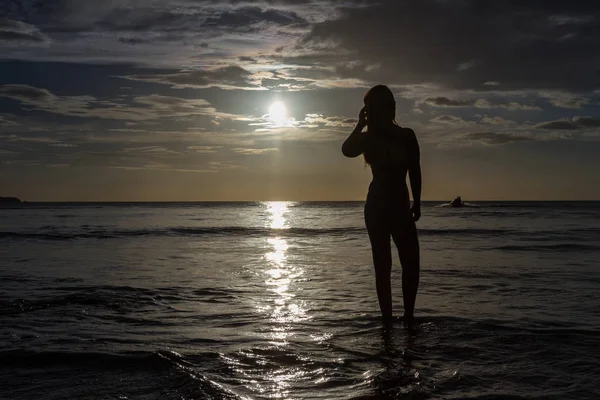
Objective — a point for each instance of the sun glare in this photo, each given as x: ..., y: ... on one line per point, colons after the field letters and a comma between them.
x: 277, y: 113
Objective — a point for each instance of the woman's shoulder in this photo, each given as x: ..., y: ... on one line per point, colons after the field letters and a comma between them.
x: 404, y: 130
x: 401, y: 134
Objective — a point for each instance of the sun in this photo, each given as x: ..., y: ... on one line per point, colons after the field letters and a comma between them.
x: 277, y: 113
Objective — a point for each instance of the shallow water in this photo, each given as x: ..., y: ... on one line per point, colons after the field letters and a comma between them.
x: 277, y: 300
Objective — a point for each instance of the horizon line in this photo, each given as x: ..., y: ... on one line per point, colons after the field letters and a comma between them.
x: 290, y: 201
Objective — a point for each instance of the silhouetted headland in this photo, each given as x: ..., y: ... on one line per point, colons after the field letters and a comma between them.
x: 10, y: 200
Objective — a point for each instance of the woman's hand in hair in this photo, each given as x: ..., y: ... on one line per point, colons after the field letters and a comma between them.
x: 362, y: 117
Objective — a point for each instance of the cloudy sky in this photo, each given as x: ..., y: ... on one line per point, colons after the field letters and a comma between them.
x: 172, y: 99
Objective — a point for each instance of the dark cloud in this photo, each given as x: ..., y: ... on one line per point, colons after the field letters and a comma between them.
x: 480, y: 103
x: 508, y: 105
x: 131, y: 40
x: 141, y: 19
x: 26, y: 93
x: 493, y: 138
x: 453, y: 44
x: 169, y: 20
x: 276, y: 80
x: 17, y: 31
x: 464, y: 44
x: 251, y: 15
x: 65, y: 16
x: 168, y: 39
x: 310, y: 73
x: 19, y: 36
x: 446, y: 102
x: 574, y: 124
x: 587, y: 122
x: 558, y: 125
x: 4, y: 121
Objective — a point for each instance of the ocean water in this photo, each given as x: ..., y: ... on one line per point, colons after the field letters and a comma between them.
x: 277, y: 300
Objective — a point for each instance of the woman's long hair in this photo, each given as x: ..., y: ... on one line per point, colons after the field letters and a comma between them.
x: 381, y: 114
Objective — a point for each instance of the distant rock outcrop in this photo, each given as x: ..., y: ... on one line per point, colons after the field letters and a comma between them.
x: 10, y: 200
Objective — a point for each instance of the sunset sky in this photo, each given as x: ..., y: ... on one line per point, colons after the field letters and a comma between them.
x: 165, y: 100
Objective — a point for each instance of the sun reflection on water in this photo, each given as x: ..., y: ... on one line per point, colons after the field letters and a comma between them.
x: 272, y: 366
x: 280, y: 305
x: 280, y: 274
x: 277, y: 210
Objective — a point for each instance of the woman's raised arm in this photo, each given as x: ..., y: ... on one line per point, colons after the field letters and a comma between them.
x: 354, y: 145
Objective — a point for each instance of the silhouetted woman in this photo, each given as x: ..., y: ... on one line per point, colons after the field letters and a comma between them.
x: 391, y: 151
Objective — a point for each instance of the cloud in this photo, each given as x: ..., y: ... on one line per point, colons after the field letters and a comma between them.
x: 496, y: 121
x: 174, y: 106
x: 569, y: 103
x: 66, y: 145
x: 148, y: 149
x: 566, y: 100
x: 448, y: 119
x: 510, y: 105
x: 321, y: 121
x: 154, y: 166
x: 223, y: 165
x: 227, y: 77
x: 204, y: 149
x: 494, y: 138
x: 254, y: 151
x: 141, y: 108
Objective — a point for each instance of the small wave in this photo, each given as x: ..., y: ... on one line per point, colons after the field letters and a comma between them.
x: 112, y: 297
x: 181, y: 231
x: 161, y: 371
x: 37, y: 359
x: 550, y: 247
x: 542, y: 204
x: 466, y: 232
x: 54, y: 234
x: 116, y: 298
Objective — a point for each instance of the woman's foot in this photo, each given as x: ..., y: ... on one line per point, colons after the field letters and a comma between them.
x: 408, y: 320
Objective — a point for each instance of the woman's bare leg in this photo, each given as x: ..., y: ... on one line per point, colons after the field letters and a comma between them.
x: 382, y: 261
x: 407, y: 242
x: 379, y: 235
